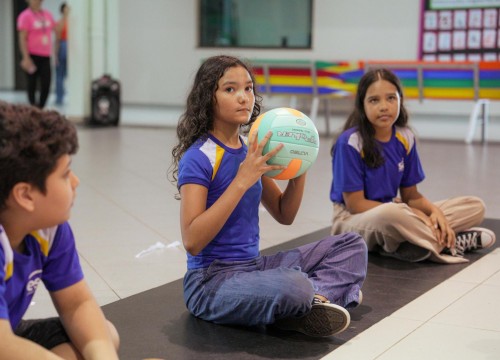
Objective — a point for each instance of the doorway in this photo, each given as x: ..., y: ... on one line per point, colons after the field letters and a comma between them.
x: 20, y: 76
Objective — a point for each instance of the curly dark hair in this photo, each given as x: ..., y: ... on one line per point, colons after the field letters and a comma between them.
x: 371, y: 149
x: 31, y: 142
x: 197, y: 120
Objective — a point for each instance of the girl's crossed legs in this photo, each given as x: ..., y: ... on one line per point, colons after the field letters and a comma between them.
x: 262, y: 290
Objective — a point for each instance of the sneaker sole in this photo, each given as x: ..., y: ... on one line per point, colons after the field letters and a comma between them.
x: 326, y: 320
x: 323, y: 320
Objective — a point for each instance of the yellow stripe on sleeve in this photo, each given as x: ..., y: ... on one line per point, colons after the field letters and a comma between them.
x: 44, y: 243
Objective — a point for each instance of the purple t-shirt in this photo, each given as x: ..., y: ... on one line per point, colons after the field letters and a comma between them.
x: 210, y: 163
x: 402, y: 167
x: 50, y: 256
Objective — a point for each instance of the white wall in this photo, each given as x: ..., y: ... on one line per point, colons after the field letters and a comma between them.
x: 6, y: 48
x: 93, y: 50
x: 360, y: 29
x: 155, y: 53
x: 159, y: 51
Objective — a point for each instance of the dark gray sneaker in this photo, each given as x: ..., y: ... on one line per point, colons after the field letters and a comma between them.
x: 407, y: 252
x: 324, y: 319
x: 472, y: 239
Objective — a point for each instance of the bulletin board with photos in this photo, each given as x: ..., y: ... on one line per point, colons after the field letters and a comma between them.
x: 460, y: 30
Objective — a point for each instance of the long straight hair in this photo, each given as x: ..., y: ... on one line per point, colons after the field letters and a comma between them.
x: 371, y: 149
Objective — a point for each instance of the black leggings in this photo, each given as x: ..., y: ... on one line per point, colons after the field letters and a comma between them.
x: 45, y: 332
x: 43, y: 72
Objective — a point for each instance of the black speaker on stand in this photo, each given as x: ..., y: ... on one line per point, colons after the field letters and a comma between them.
x: 105, y: 96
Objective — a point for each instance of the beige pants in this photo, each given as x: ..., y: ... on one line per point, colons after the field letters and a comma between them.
x: 390, y: 224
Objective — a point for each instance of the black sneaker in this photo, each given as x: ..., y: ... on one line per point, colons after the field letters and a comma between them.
x: 324, y: 319
x: 472, y: 239
x: 407, y: 252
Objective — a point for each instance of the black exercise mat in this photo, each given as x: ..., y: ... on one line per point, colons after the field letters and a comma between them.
x: 156, y: 324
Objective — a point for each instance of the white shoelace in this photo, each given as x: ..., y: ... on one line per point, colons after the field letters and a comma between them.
x: 466, y: 241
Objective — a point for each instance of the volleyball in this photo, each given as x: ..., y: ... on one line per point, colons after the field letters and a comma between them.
x: 296, y: 132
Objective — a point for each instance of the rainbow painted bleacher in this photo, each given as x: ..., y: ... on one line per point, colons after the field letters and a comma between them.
x: 325, y: 80
x: 424, y: 80
x: 307, y: 78
x: 457, y: 81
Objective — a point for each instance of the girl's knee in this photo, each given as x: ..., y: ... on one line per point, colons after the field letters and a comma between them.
x: 354, y: 241
x: 477, y: 204
x: 295, y: 290
x: 388, y: 212
x: 359, y: 249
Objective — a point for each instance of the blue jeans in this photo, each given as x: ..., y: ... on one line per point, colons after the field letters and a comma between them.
x: 261, y: 290
x: 61, y: 70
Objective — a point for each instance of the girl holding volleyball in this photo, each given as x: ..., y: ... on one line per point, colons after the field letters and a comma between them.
x: 219, y: 174
x: 374, y: 157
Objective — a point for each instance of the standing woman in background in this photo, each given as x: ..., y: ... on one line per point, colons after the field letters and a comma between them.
x: 35, y: 26
x: 61, y: 52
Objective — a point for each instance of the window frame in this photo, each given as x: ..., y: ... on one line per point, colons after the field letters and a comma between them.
x: 263, y: 47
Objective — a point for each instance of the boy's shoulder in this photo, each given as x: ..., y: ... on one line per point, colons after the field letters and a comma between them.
x: 6, y: 255
x: 40, y: 240
x: 45, y: 237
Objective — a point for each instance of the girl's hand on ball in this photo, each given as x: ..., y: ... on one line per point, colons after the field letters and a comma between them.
x: 271, y: 152
x: 298, y: 135
x: 255, y: 163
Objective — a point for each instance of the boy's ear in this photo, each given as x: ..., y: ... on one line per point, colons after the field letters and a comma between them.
x: 23, y: 196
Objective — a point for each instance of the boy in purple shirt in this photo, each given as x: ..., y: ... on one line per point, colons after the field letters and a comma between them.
x: 37, y: 190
